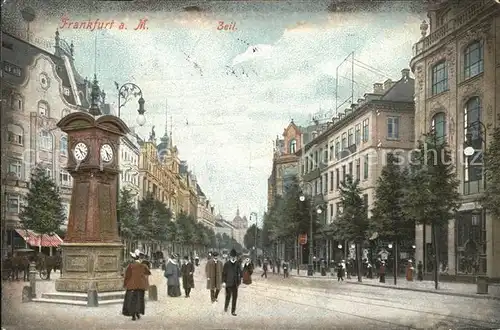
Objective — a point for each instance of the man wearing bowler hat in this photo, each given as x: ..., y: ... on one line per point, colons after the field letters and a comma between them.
x: 213, y: 271
x: 231, y: 277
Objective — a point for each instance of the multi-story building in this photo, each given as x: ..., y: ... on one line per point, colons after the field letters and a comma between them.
x: 188, y: 191
x: 240, y: 225
x: 129, y: 166
x: 457, y: 93
x: 205, y: 213
x: 356, y: 143
x: 285, y: 158
x: 223, y: 226
x: 38, y: 89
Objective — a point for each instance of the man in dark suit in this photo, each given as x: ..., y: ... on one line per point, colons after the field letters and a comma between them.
x: 231, y: 277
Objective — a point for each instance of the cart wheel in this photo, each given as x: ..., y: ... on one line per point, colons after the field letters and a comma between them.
x: 44, y: 274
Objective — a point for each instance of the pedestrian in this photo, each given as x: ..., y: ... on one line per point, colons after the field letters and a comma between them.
x: 187, y: 271
x: 136, y: 283
x: 264, y: 268
x: 409, y: 271
x: 213, y: 272
x: 278, y: 265
x: 231, y: 277
x: 173, y: 274
x: 420, y: 271
x: 197, y: 261
x: 381, y: 272
x: 370, y: 270
x: 341, y: 271
x: 285, y: 269
x: 247, y: 271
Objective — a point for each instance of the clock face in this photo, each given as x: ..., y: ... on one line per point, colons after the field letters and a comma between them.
x: 80, y: 151
x: 106, y: 153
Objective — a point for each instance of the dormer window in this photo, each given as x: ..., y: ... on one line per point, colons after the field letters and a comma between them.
x: 293, y: 146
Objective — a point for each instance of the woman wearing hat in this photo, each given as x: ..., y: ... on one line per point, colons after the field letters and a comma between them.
x: 136, y: 283
x: 172, y: 274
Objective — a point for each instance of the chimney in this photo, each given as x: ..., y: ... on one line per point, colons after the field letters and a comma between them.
x: 378, y: 88
x: 388, y: 84
x: 405, y: 73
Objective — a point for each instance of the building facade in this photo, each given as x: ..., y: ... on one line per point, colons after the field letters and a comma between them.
x: 223, y: 227
x: 240, y: 225
x: 38, y: 89
x: 357, y: 143
x: 205, y: 213
x: 129, y: 166
x: 457, y: 68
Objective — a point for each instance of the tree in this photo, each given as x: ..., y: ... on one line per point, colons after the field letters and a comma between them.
x: 433, y: 197
x: 491, y: 198
x: 352, y: 223
x: 43, y: 211
x: 128, y: 218
x: 388, y: 217
x: 252, y: 236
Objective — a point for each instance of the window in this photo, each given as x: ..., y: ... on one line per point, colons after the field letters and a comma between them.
x: 43, y: 109
x: 438, y: 126
x: 365, y: 130
x: 63, y: 145
x: 15, y: 134
x: 12, y: 69
x: 344, y: 173
x: 350, y: 169
x: 331, y: 180
x: 325, y: 155
x: 344, y: 141
x: 48, y: 171
x: 65, y: 112
x: 473, y: 59
x: 393, y: 127
x: 358, y: 169
x: 357, y: 134
x: 325, y: 184
x: 365, y: 201
x: 64, y: 178
x: 16, y: 167
x: 365, y: 167
x: 331, y: 152
x: 412, y: 131
x: 337, y: 147
x: 13, y: 205
x: 293, y: 146
x: 315, y: 187
x: 350, y: 138
x: 473, y: 137
x: 439, y: 78
x: 45, y: 140
x: 339, y: 209
x: 337, y: 179
x: 331, y: 211
x: 66, y: 91
x: 17, y: 102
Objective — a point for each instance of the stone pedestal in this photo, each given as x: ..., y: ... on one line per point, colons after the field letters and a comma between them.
x: 91, y: 266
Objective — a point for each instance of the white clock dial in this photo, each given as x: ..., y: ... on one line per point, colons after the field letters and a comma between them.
x: 80, y: 151
x: 106, y: 153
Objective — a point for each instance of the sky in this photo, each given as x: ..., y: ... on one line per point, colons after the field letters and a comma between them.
x: 224, y: 124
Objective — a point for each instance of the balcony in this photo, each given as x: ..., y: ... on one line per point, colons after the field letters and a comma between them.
x: 477, y: 7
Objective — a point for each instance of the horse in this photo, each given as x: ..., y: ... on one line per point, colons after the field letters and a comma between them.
x: 15, y: 264
x: 48, y: 264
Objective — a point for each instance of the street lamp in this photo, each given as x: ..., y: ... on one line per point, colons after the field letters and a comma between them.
x: 125, y: 93
x: 255, y: 235
x: 302, y: 198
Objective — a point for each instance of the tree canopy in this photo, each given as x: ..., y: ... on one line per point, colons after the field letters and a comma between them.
x: 43, y: 212
x: 491, y: 198
x: 352, y: 223
x: 252, y: 236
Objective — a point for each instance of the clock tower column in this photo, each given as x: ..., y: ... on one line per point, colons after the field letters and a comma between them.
x: 92, y: 249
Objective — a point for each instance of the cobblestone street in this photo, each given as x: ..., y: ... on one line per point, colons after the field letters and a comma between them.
x: 272, y: 303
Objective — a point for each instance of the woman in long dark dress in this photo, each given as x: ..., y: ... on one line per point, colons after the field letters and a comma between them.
x: 136, y: 283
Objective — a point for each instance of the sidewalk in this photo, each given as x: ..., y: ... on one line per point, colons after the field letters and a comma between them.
x: 445, y: 288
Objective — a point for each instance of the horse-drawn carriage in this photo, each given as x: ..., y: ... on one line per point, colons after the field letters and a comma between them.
x: 21, y: 260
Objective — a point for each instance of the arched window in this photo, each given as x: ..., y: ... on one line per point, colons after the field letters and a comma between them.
x: 473, y: 137
x: 15, y: 134
x: 43, y: 109
x: 63, y: 145
x: 438, y: 126
x: 65, y: 112
x: 45, y: 140
x: 293, y: 146
x: 473, y: 59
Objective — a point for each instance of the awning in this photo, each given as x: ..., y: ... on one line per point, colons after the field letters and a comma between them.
x: 33, y: 238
